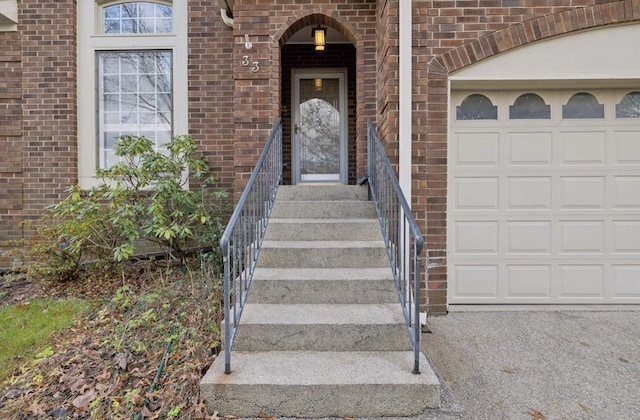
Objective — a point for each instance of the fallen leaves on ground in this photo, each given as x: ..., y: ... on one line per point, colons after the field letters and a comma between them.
x: 536, y: 414
x: 105, y: 364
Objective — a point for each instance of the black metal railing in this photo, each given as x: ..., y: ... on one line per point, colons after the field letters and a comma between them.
x: 402, y: 237
x: 243, y: 235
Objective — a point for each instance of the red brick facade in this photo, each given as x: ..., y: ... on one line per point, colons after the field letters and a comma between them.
x: 232, y: 108
x: 38, y: 140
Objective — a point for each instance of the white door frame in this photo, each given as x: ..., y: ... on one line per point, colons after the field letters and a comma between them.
x: 313, y: 73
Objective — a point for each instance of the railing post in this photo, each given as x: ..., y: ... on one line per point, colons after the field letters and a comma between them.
x: 416, y: 305
x: 227, y: 310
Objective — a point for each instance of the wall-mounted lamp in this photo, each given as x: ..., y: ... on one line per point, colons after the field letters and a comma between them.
x: 317, y: 85
x: 319, y: 35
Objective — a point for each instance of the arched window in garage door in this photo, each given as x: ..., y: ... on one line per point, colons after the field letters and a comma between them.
x: 529, y: 107
x: 629, y: 106
x: 476, y: 107
x: 583, y: 105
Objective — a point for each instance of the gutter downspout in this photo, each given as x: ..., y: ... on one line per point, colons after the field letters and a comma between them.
x: 226, y: 9
x: 225, y: 18
x: 405, y: 98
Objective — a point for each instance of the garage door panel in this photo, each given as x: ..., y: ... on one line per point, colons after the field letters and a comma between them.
x: 582, y: 237
x: 583, y: 148
x: 582, y: 192
x: 476, y: 281
x: 529, y: 192
x: 529, y: 148
x: 528, y: 281
x: 476, y: 237
x: 626, y: 192
x: 528, y: 237
x: 581, y: 281
x: 626, y: 236
x: 627, y: 147
x: 476, y: 193
x: 478, y: 149
x: 627, y: 280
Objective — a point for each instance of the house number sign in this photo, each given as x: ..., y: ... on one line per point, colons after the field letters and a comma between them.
x: 246, y: 61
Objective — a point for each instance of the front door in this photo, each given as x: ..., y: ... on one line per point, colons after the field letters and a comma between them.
x: 319, y: 126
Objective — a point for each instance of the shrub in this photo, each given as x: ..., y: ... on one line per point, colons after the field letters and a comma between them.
x: 150, y: 198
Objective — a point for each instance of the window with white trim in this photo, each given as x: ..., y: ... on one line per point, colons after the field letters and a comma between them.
x: 132, y: 77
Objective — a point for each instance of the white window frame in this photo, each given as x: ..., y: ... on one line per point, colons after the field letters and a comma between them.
x: 90, y: 41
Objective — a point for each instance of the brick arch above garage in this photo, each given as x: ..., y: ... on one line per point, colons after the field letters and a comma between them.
x: 533, y: 30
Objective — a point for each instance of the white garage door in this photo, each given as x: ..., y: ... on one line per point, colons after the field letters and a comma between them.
x: 544, y: 197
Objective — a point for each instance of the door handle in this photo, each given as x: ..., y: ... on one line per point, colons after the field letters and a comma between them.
x: 296, y: 129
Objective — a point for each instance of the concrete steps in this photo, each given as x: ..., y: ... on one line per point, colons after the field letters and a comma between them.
x: 322, y: 333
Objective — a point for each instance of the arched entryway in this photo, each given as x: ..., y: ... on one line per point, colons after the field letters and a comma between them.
x: 318, y: 103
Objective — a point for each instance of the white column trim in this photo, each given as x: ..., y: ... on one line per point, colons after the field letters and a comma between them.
x: 405, y: 98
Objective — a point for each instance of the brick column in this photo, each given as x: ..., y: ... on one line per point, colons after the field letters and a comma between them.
x: 256, y: 95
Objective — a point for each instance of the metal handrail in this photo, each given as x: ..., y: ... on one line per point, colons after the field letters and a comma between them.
x: 401, y: 234
x: 244, y: 233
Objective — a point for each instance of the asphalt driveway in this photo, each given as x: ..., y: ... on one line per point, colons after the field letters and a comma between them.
x: 537, y: 364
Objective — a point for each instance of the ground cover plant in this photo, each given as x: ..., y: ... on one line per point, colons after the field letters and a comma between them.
x: 106, y: 365
x: 26, y: 326
x: 141, y: 250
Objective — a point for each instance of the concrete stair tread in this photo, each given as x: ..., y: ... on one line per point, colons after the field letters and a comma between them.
x: 321, y: 209
x: 323, y: 285
x: 321, y: 384
x: 327, y: 367
x: 314, y: 192
x: 322, y: 314
x: 321, y: 229
x: 322, y: 244
x: 355, y: 220
x: 323, y: 274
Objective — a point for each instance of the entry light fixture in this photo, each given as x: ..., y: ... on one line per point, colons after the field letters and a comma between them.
x: 317, y: 85
x: 319, y: 35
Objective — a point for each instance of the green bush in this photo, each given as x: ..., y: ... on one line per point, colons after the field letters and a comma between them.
x: 150, y: 199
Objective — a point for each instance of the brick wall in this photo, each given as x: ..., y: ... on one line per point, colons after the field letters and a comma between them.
x: 211, y: 88
x: 387, y: 77
x: 11, y: 162
x: 37, y: 112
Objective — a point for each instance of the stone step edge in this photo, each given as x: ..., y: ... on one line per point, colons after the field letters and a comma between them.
x: 332, y: 244
x: 331, y: 367
x: 322, y: 314
x: 323, y: 274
